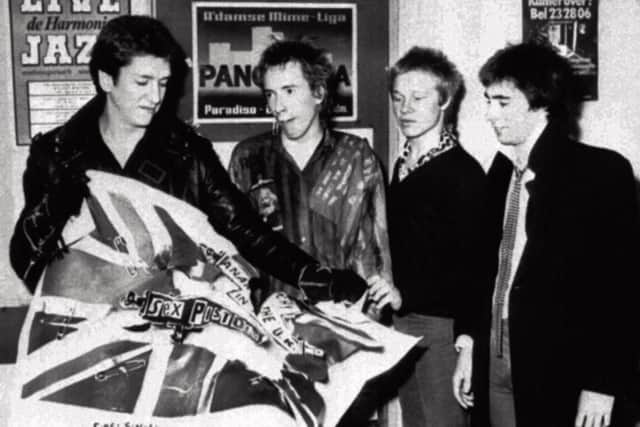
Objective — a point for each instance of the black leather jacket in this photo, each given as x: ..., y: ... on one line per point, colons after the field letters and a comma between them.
x: 170, y: 157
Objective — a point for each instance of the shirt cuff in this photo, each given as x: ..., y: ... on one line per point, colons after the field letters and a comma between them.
x: 463, y: 342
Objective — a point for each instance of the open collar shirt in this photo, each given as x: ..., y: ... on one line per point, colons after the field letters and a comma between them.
x: 333, y: 208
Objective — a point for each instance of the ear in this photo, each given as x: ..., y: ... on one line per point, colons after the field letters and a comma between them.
x: 106, y: 81
x: 446, y: 104
x: 319, y: 94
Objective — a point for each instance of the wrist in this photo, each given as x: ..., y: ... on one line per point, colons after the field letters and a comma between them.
x: 463, y: 342
x: 315, y: 282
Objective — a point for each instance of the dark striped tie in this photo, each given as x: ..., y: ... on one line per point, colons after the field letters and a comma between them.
x: 506, y: 257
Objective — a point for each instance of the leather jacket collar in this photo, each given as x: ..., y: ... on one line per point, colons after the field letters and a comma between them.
x: 76, y: 136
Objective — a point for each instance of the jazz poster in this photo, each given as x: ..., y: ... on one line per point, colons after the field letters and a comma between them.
x: 229, y: 37
x: 51, y: 47
x: 571, y: 28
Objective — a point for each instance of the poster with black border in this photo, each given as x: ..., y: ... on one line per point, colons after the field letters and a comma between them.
x: 571, y: 28
x: 51, y: 42
x: 228, y: 38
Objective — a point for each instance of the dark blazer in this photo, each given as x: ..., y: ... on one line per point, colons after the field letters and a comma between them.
x: 568, y: 311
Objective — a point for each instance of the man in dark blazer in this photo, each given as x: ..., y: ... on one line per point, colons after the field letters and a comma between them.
x: 563, y: 232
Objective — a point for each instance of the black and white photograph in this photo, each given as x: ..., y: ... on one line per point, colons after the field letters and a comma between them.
x: 337, y: 213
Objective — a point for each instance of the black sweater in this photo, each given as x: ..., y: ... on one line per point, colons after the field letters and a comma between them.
x: 435, y: 231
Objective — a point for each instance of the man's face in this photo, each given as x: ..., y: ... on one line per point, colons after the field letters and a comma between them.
x: 416, y: 103
x: 291, y: 100
x: 136, y: 95
x: 509, y: 113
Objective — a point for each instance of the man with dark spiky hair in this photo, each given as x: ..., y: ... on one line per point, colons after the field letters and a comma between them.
x: 321, y: 188
x: 563, y: 231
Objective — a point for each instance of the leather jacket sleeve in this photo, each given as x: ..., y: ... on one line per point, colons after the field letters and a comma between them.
x: 50, y: 200
x: 231, y: 215
x: 36, y: 239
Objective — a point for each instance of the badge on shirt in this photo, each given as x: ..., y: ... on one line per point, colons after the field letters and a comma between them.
x: 266, y: 200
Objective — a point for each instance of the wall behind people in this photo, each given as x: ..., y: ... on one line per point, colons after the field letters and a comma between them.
x: 469, y: 31
x: 10, y: 290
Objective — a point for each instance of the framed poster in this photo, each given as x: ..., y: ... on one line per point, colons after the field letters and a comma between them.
x: 570, y: 27
x: 228, y: 38
x: 51, y: 46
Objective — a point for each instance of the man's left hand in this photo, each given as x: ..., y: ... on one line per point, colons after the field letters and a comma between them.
x: 462, y: 373
x: 594, y: 409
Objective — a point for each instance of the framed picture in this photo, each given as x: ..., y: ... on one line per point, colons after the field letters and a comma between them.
x: 229, y: 37
x: 571, y: 29
x: 51, y: 44
x: 354, y: 32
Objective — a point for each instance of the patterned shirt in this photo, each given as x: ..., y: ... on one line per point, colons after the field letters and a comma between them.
x: 334, y: 208
x: 447, y: 141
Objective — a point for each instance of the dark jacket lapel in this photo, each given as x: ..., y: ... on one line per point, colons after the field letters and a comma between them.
x: 498, y: 178
x: 546, y: 160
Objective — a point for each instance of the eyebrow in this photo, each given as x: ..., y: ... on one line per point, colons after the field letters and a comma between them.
x: 413, y: 92
x: 498, y: 97
x: 149, y: 76
x: 288, y: 86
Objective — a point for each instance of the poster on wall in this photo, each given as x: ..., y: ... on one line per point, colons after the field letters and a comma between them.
x: 571, y: 28
x: 51, y: 46
x: 228, y: 38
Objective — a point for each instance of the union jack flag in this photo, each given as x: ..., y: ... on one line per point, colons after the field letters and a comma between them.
x: 147, y: 319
